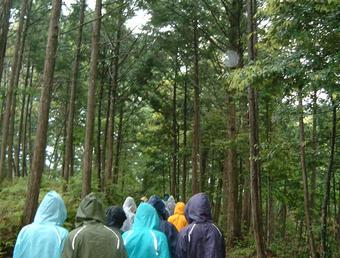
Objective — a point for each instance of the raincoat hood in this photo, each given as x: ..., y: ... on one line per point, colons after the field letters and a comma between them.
x: 51, y: 210
x: 170, y: 204
x: 179, y: 209
x: 129, y: 205
x: 198, y: 209
x: 146, y: 217
x: 115, y: 217
x: 90, y: 209
x: 159, y: 205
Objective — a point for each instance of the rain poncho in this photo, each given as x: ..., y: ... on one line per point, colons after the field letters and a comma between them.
x: 170, y: 205
x: 45, y: 237
x: 129, y: 208
x: 144, y: 240
x: 115, y: 217
x: 92, y: 238
x: 201, y: 238
x: 178, y: 219
x: 167, y: 228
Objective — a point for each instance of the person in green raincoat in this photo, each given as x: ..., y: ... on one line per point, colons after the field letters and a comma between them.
x: 144, y: 240
x: 91, y: 238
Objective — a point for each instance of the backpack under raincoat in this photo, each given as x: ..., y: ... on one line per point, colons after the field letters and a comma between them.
x: 201, y: 238
x: 144, y: 240
x: 45, y: 237
x: 129, y: 208
x: 92, y: 238
x: 178, y: 219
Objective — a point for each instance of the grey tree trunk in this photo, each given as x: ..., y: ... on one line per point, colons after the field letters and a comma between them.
x: 38, y: 160
x: 87, y: 168
x: 68, y: 168
x: 15, y: 70
x: 324, y: 247
x: 309, y: 226
x: 253, y: 139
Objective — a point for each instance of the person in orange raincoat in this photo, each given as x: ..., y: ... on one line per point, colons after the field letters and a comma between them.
x: 178, y: 219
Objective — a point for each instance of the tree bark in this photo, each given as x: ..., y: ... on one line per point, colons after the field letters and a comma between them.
x: 44, y: 106
x: 314, y: 152
x: 196, y: 138
x: 253, y: 139
x: 87, y: 169
x: 13, y: 82
x: 185, y: 129
x: 309, y: 227
x: 231, y: 179
x: 173, y: 189
x: 24, y: 135
x: 4, y: 21
x: 119, y: 141
x: 112, y: 178
x: 324, y: 248
x: 68, y: 168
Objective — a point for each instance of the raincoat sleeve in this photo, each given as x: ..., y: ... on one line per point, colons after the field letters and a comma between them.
x: 68, y: 252
x: 181, y: 248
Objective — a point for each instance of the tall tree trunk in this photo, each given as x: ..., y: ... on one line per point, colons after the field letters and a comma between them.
x: 324, y: 248
x: 309, y: 227
x: 44, y: 107
x: 173, y: 189
x: 231, y: 179
x: 4, y: 25
x: 87, y: 169
x: 24, y: 135
x: 253, y: 139
x: 22, y: 117
x: 314, y: 152
x: 196, y: 137
x: 112, y: 178
x: 68, y: 169
x: 11, y: 166
x: 13, y: 82
x: 185, y: 129
x: 119, y: 140
x: 99, y: 131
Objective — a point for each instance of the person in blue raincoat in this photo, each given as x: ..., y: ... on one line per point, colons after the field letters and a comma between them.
x: 201, y: 238
x: 144, y: 239
x: 164, y: 226
x: 45, y: 237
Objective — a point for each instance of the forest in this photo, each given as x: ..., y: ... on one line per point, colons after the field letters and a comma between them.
x: 235, y: 98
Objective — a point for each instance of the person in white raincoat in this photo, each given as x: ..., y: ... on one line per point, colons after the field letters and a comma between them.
x: 129, y: 208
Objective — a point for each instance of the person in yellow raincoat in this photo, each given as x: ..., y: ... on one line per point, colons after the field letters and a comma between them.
x: 178, y: 219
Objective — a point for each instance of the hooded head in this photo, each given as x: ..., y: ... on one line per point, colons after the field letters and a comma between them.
x: 51, y: 210
x: 198, y: 209
x: 159, y: 205
x: 166, y: 197
x: 129, y: 205
x: 90, y: 209
x: 171, y: 203
x: 146, y: 217
x: 179, y: 209
x: 115, y: 217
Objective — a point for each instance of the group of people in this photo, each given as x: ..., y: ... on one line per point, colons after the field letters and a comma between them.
x: 157, y: 228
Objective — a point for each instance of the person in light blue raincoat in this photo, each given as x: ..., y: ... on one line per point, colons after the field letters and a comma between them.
x: 45, y: 237
x: 144, y: 239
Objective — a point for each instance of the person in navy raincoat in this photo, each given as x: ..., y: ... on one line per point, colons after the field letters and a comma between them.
x: 201, y: 238
x: 45, y: 237
x: 167, y: 228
